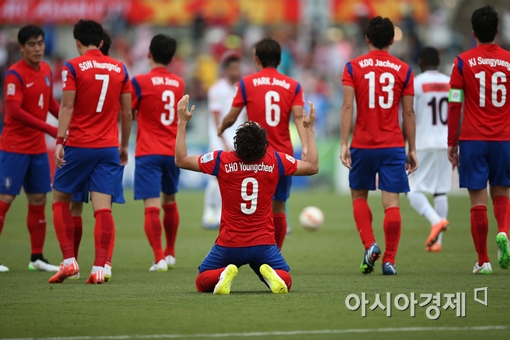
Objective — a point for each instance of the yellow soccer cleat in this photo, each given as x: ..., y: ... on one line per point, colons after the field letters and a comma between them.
x: 275, y: 282
x: 225, y: 282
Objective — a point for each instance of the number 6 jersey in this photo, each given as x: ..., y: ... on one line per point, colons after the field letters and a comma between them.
x: 155, y: 96
x: 98, y: 81
x: 379, y: 81
x: 247, y: 191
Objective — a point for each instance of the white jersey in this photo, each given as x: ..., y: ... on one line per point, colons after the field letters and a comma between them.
x: 220, y: 98
x: 431, y: 109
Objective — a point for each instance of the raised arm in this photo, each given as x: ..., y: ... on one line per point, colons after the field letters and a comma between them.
x: 345, y: 125
x: 297, y: 113
x: 309, y: 166
x: 182, y: 160
x: 410, y: 132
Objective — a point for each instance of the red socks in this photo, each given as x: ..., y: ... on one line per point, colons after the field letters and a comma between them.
x: 171, y: 225
x: 392, y: 227
x: 36, y: 224
x: 479, y: 231
x: 152, y: 226
x: 64, y: 228
x: 206, y: 280
x: 363, y: 219
x: 4, y: 207
x: 78, y: 232
x: 280, y: 228
x: 501, y: 212
x: 112, y: 245
x: 103, y: 231
x: 285, y: 276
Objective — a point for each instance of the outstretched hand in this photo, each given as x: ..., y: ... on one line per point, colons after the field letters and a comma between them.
x: 309, y: 121
x: 182, y: 109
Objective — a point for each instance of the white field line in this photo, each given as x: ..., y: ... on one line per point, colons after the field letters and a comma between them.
x: 282, y: 333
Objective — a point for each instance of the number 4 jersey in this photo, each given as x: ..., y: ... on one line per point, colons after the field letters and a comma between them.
x: 269, y: 97
x: 247, y: 191
x: 379, y: 81
x: 431, y: 109
x: 481, y: 78
x: 98, y: 81
x: 155, y: 96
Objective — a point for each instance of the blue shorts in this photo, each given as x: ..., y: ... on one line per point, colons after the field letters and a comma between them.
x: 155, y: 174
x: 95, y: 168
x: 255, y: 256
x: 389, y: 163
x: 118, y: 197
x: 481, y: 161
x: 282, y: 192
x: 32, y: 172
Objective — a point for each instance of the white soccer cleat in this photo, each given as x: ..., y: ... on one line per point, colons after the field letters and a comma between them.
x: 161, y: 266
x: 170, y: 261
x: 3, y: 269
x: 107, y: 272
x: 42, y: 265
x: 485, y: 268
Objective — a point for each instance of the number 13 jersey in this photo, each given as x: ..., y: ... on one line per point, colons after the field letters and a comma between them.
x: 269, y: 97
x: 379, y: 81
x: 155, y: 96
x: 98, y: 81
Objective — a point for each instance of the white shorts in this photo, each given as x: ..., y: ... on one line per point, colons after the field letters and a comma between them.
x: 434, y: 174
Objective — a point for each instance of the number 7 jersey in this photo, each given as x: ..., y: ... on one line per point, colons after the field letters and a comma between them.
x: 379, y: 81
x: 155, y: 96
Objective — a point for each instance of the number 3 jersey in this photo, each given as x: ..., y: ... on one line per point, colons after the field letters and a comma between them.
x: 98, y: 81
x: 269, y: 97
x: 247, y: 191
x: 155, y: 96
x: 484, y: 75
x: 379, y: 81
x: 431, y: 109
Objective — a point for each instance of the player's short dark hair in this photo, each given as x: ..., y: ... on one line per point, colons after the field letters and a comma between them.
x: 88, y: 32
x: 29, y: 31
x: 250, y: 142
x: 380, y: 31
x: 429, y: 56
x: 231, y: 59
x: 269, y: 52
x: 484, y: 22
x: 163, y: 48
x: 107, y: 43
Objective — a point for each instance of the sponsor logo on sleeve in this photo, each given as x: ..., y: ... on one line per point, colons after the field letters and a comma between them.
x: 290, y: 159
x: 11, y: 89
x: 47, y: 80
x: 456, y: 96
x: 207, y: 157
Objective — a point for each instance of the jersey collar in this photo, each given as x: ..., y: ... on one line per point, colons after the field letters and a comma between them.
x: 94, y: 52
x: 269, y: 70
x: 379, y: 52
x: 159, y: 69
x: 30, y: 67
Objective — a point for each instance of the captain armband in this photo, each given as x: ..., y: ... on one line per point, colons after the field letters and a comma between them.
x: 456, y: 96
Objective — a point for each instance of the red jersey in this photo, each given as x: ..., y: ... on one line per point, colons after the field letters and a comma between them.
x: 484, y: 75
x: 155, y: 96
x: 98, y: 81
x: 379, y: 81
x: 34, y: 89
x: 247, y: 191
x: 269, y: 97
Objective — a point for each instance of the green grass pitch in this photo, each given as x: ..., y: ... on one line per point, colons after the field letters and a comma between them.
x: 325, y: 269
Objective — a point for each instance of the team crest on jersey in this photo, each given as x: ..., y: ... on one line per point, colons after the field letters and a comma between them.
x: 290, y: 158
x: 7, y: 183
x: 47, y: 80
x: 11, y: 89
x: 207, y: 157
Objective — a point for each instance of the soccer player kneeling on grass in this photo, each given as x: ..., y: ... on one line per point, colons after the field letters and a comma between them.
x: 247, y: 177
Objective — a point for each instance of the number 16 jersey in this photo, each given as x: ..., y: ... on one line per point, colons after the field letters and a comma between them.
x: 155, y: 96
x: 269, y: 97
x: 379, y: 81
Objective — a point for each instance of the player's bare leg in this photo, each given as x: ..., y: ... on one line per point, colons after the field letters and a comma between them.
x: 153, y: 230
x: 280, y: 222
x: 392, y: 228
x: 480, y: 229
x: 170, y: 225
x: 5, y: 204
x: 499, y: 195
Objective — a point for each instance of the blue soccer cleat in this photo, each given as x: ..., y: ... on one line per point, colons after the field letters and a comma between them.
x: 372, y: 254
x: 389, y: 269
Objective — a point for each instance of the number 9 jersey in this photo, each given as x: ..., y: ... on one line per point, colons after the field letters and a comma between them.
x: 155, y: 96
x: 380, y: 81
x: 269, y: 97
x: 98, y: 81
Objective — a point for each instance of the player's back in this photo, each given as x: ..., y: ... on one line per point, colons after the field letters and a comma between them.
x: 379, y: 80
x: 431, y: 110
x: 98, y: 81
x: 155, y: 96
x: 269, y: 97
x: 484, y: 74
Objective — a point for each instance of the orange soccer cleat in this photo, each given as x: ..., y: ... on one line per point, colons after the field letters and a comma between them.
x: 64, y: 272
x: 96, y: 278
x: 435, y: 231
x: 435, y: 248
